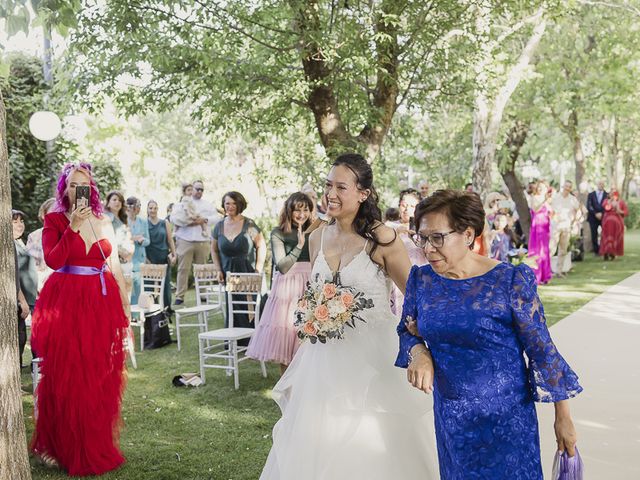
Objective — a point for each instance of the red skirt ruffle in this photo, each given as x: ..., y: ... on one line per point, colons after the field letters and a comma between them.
x: 78, y: 333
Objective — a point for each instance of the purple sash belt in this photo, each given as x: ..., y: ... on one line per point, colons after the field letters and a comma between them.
x: 78, y: 270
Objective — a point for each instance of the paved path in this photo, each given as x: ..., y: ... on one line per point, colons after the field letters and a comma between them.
x: 601, y: 342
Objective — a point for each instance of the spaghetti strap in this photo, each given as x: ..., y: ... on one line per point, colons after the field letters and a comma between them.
x: 366, y: 242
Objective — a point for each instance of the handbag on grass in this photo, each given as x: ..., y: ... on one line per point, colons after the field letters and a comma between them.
x: 156, y: 330
x: 566, y: 467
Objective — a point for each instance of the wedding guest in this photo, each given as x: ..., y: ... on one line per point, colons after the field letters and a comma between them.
x: 190, y: 245
x: 79, y: 326
x: 34, y: 244
x: 319, y: 214
x: 23, y: 306
x: 276, y: 339
x: 565, y: 213
x: 391, y: 215
x: 423, y: 187
x: 238, y: 246
x: 612, y: 241
x: 27, y: 269
x: 161, y: 249
x: 140, y: 236
x: 501, y: 240
x: 492, y: 206
x: 468, y: 187
x: 595, y: 209
x: 116, y: 210
x: 540, y: 233
x: 407, y: 201
x: 478, y: 317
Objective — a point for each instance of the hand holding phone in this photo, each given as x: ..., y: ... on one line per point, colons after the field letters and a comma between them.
x: 83, y: 195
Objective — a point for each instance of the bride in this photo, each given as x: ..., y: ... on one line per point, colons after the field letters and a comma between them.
x: 346, y: 411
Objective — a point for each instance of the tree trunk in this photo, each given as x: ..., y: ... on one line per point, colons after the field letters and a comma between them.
x: 578, y: 154
x: 14, y: 459
x: 627, y: 161
x: 514, y: 143
x: 488, y: 115
x: 322, y: 100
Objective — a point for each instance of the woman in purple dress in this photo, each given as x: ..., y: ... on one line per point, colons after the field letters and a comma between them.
x: 479, y: 317
x: 540, y: 235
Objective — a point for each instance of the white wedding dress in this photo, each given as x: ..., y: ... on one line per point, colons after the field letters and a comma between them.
x: 347, y: 412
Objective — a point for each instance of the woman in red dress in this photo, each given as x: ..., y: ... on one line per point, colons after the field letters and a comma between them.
x: 612, y: 240
x: 79, y: 325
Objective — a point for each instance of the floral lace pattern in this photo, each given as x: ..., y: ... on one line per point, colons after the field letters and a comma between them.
x: 478, y: 330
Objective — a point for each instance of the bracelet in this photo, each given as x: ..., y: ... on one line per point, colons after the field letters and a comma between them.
x: 413, y: 356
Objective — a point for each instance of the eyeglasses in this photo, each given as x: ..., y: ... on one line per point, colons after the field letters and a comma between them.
x: 436, y: 240
x: 199, y: 189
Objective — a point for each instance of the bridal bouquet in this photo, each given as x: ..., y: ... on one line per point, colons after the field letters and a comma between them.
x: 326, y: 307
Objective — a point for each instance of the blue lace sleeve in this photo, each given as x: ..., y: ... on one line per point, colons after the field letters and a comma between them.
x: 550, y: 376
x: 410, y: 308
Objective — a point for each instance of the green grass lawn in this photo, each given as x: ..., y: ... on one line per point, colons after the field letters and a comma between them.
x: 216, y: 432
x: 588, y: 279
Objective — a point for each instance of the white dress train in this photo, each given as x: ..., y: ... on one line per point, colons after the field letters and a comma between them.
x: 347, y: 412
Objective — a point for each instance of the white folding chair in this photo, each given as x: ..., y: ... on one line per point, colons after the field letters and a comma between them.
x: 220, y: 347
x: 209, y: 299
x: 151, y: 298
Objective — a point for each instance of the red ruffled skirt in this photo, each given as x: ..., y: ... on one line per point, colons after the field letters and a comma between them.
x: 78, y: 333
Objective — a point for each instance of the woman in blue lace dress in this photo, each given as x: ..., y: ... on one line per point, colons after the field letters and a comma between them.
x: 478, y: 317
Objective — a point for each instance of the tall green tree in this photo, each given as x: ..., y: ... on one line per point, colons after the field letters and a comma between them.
x: 14, y: 462
x: 500, y: 67
x: 587, y: 85
x: 30, y: 166
x: 345, y: 67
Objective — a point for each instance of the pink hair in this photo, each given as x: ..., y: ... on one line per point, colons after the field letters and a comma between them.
x: 62, y: 198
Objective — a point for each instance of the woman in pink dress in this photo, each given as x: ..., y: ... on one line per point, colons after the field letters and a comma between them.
x: 540, y: 235
x: 612, y: 240
x: 276, y: 339
x: 408, y: 200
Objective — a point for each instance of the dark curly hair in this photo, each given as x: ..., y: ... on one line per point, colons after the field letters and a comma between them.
x: 369, y: 216
x: 462, y: 209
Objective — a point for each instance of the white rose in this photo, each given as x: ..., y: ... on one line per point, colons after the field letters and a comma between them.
x: 336, y: 307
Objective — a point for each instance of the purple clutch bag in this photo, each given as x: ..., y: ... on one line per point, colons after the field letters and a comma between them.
x: 567, y: 468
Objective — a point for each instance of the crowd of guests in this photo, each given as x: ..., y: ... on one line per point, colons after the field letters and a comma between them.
x: 195, y: 230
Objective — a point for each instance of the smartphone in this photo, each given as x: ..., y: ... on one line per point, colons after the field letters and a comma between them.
x: 83, y: 193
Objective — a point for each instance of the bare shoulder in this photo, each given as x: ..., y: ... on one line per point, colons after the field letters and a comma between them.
x: 314, y: 242
x: 314, y: 236
x: 384, y: 234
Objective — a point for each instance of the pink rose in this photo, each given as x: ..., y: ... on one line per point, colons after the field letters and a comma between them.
x: 309, y: 328
x: 329, y: 290
x: 321, y: 313
x: 302, y: 304
x: 347, y: 299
